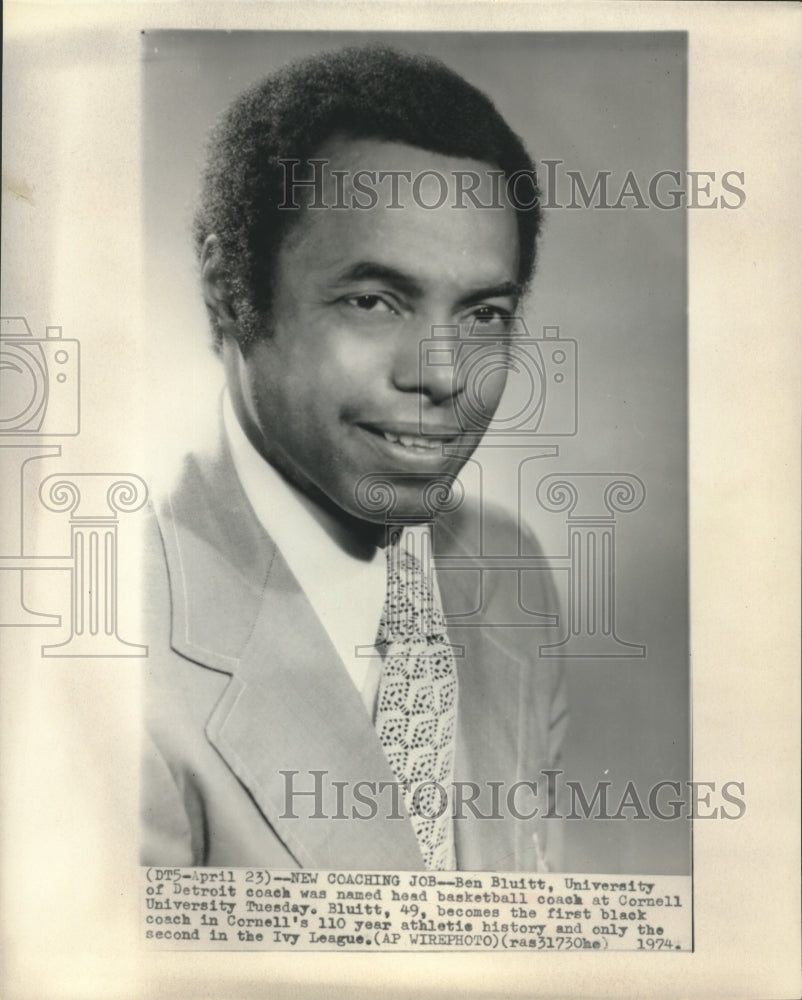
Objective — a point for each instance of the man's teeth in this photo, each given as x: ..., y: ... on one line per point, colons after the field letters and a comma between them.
x: 409, y: 441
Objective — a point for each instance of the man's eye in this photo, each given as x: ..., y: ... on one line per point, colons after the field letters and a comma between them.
x: 490, y: 314
x: 370, y: 303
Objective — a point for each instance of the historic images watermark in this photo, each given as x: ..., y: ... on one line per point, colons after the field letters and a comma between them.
x: 541, y: 375
x: 312, y: 184
x: 546, y: 795
x: 39, y: 403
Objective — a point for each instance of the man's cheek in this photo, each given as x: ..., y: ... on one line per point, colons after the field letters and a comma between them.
x: 483, y: 389
x: 353, y: 361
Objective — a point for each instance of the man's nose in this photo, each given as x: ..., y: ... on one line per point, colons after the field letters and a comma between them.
x: 426, y: 362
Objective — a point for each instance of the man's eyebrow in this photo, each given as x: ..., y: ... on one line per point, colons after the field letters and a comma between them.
x: 504, y: 289
x: 368, y: 270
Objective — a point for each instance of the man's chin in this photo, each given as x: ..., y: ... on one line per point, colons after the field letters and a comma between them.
x: 404, y: 497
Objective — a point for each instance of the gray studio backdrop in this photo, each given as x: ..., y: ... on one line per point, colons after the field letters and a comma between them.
x: 612, y: 280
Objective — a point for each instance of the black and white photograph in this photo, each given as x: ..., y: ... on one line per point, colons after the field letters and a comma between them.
x: 485, y: 360
x: 397, y: 410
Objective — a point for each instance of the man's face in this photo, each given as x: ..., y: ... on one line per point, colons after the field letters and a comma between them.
x: 337, y: 391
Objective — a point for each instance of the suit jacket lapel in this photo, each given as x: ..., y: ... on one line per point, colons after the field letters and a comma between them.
x: 290, y: 705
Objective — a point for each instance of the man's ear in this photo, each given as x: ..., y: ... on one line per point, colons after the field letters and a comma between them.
x: 216, y: 287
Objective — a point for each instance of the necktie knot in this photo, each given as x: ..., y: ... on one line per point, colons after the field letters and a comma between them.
x: 410, y: 606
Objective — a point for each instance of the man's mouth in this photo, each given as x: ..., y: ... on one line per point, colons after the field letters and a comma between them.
x: 426, y: 441
x: 415, y: 442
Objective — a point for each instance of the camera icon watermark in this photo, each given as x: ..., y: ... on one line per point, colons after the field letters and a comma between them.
x: 473, y: 373
x: 538, y: 376
x: 39, y: 381
x: 40, y: 399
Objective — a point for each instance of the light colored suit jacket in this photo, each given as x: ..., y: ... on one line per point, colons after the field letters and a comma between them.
x: 246, y: 700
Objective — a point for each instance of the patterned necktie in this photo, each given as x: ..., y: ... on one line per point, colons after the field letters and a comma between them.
x: 416, y: 709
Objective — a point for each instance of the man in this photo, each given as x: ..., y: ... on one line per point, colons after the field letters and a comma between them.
x: 307, y: 702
